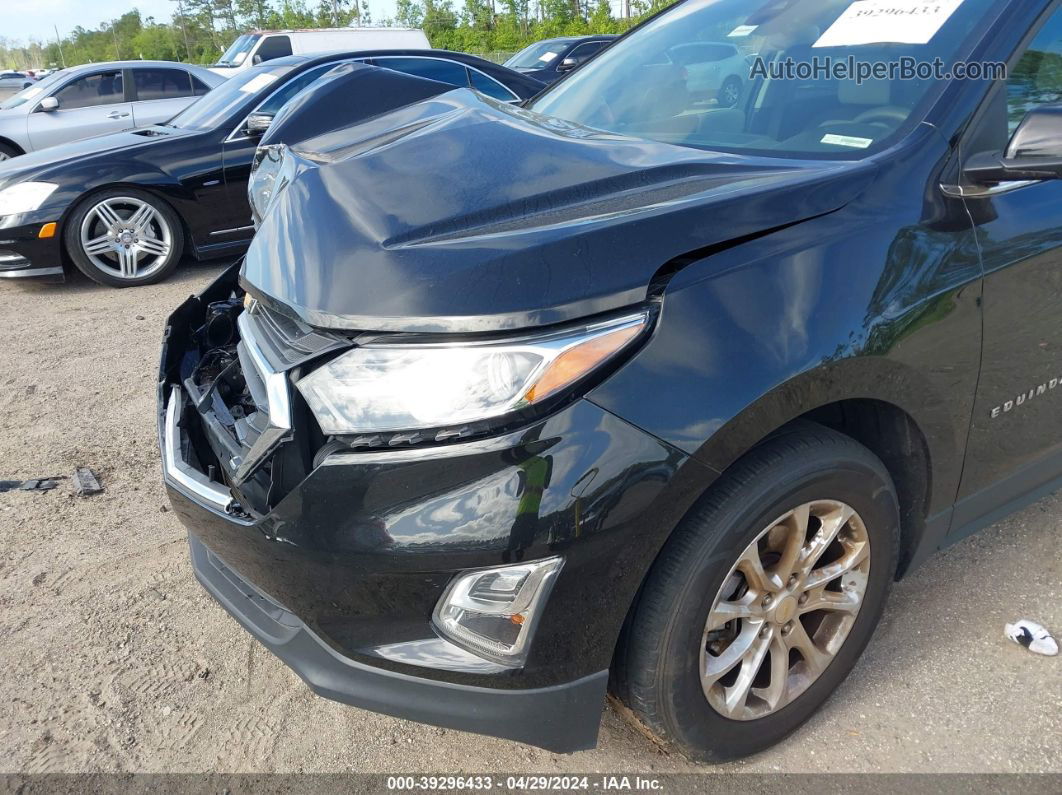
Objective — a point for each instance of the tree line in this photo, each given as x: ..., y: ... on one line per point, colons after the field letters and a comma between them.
x: 200, y: 30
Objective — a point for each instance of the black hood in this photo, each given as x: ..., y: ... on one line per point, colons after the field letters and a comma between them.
x: 463, y: 214
x: 61, y: 162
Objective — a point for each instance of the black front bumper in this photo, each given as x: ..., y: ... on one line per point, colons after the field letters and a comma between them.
x: 24, y: 254
x: 339, y: 575
x: 562, y: 718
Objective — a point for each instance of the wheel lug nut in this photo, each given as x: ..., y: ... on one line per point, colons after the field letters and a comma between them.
x: 793, y: 580
x: 767, y: 600
x: 766, y: 631
x: 787, y: 628
x: 803, y: 600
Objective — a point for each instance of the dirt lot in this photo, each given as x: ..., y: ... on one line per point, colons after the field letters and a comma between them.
x: 115, y: 659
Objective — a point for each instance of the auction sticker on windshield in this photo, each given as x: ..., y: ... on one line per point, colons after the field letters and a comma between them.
x: 889, y: 21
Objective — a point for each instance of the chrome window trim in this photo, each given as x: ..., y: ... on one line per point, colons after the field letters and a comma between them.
x: 961, y: 192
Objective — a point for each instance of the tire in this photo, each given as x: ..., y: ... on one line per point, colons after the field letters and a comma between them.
x: 124, y: 237
x: 730, y: 93
x: 7, y: 152
x: 674, y: 630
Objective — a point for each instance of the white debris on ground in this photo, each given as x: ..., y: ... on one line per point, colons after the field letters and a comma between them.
x: 1032, y: 636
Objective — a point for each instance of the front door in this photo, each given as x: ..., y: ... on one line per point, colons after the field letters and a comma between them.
x: 239, y: 156
x: 90, y: 105
x: 1015, y: 443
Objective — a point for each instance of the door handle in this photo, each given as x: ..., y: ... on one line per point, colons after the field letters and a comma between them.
x: 116, y: 115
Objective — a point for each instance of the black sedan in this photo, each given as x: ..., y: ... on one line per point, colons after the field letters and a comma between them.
x: 123, y: 208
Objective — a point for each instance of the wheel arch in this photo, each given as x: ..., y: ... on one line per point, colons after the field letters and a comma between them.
x: 12, y: 144
x: 96, y: 190
x: 884, y: 405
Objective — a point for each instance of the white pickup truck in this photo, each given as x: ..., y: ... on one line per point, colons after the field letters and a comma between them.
x: 265, y: 45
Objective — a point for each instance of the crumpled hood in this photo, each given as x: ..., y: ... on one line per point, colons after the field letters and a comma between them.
x: 463, y: 214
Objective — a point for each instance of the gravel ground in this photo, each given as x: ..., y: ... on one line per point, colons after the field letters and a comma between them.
x: 115, y: 659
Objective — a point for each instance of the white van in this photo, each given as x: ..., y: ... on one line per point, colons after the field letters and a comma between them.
x: 265, y: 45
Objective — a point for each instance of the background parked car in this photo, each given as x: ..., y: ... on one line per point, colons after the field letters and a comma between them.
x: 124, y: 207
x: 714, y: 70
x: 11, y: 82
x: 97, y: 99
x: 252, y: 49
x: 548, y: 60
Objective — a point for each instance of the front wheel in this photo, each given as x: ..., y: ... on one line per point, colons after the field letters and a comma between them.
x: 765, y: 596
x: 124, y: 238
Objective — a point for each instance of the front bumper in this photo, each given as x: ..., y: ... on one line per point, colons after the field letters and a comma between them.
x: 562, y: 718
x: 339, y: 575
x: 24, y: 254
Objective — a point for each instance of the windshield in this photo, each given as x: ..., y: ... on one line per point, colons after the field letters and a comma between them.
x: 34, y: 91
x: 237, y: 52
x: 233, y: 97
x: 538, y: 55
x: 761, y: 77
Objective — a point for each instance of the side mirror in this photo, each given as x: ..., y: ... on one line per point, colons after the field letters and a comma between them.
x: 256, y: 59
x: 48, y: 104
x: 1033, y: 154
x: 567, y: 65
x: 258, y: 123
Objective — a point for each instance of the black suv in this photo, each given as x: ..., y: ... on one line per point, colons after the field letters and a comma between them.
x: 510, y: 405
x: 550, y: 59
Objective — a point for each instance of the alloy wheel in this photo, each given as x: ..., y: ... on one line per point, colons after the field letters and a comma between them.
x: 126, y: 237
x: 784, y: 610
x: 731, y: 94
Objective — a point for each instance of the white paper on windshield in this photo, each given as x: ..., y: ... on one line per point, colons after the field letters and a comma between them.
x: 257, y: 84
x: 238, y: 58
x: 741, y: 31
x: 889, y: 21
x: 547, y: 57
x: 847, y: 140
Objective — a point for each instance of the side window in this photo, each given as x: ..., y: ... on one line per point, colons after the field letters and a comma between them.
x: 584, y: 52
x: 161, y: 84
x: 87, y: 92
x: 280, y: 97
x: 199, y: 87
x: 274, y: 47
x: 490, y: 86
x: 1037, y: 78
x: 431, y: 68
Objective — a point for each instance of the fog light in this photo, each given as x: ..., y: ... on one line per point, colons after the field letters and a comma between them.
x: 493, y: 612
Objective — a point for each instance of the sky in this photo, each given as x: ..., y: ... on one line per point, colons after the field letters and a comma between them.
x: 26, y: 19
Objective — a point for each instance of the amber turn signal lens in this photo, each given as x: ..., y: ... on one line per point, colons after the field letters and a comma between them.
x: 576, y: 362
x: 48, y: 230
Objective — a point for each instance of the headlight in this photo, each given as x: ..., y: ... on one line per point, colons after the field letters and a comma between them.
x: 25, y: 197
x: 270, y: 174
x: 494, y: 611
x: 407, y: 387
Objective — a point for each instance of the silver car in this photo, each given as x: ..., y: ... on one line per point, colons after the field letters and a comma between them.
x: 12, y: 82
x: 97, y: 99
